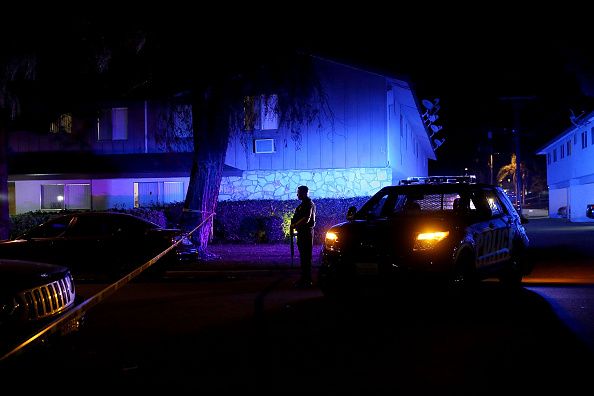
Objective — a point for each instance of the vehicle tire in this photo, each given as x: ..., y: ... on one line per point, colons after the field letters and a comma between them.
x: 464, y: 279
x: 512, y: 273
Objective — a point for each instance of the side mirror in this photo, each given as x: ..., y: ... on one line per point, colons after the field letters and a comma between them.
x: 351, y: 213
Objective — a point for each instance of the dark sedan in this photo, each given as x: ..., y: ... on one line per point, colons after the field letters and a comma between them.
x: 99, y: 245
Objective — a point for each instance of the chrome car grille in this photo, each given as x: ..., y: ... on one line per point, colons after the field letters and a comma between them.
x: 47, y: 300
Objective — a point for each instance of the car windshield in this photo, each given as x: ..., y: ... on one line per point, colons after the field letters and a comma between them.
x: 108, y: 225
x: 414, y: 202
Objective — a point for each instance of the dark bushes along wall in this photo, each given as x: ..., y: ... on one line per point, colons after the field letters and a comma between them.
x: 265, y: 221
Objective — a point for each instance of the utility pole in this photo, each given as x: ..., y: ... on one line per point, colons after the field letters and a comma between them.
x: 516, y: 145
x: 490, y: 137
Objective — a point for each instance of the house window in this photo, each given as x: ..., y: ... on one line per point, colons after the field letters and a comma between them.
x: 157, y: 193
x: 119, y: 122
x: 262, y: 146
x: 562, y: 151
x: 112, y: 124
x: 554, y: 155
x: 260, y: 112
x: 65, y: 196
x: 549, y: 158
x: 584, y: 139
x: 568, y: 148
x: 62, y: 124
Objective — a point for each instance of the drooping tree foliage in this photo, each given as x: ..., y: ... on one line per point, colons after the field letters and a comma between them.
x: 51, y: 65
x: 89, y: 59
x: 13, y: 68
x: 222, y: 109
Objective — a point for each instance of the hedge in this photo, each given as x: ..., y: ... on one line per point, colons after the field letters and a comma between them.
x: 264, y: 221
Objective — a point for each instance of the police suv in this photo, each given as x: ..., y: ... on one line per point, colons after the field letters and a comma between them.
x: 447, y: 228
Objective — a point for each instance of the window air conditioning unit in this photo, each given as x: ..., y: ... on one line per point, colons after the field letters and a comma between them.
x: 262, y: 146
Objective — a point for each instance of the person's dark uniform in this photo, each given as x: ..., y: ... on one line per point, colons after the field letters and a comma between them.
x: 304, y: 221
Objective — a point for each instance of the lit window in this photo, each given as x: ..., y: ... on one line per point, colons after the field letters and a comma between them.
x: 65, y: 196
x: 62, y: 124
x: 157, y: 193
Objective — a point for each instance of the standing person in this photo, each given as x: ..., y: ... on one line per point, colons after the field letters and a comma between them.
x: 304, y: 221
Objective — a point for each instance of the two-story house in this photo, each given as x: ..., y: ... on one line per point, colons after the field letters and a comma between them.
x: 121, y: 158
x: 570, y: 170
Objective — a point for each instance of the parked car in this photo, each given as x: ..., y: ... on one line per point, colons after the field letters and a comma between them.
x: 31, y: 294
x: 451, y: 230
x: 99, y: 245
x: 589, y: 211
x: 562, y: 212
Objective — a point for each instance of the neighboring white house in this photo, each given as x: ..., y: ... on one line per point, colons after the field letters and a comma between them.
x: 570, y: 170
x: 374, y: 138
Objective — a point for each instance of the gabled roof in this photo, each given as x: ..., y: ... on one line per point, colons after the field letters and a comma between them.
x: 578, y: 123
x: 404, y: 92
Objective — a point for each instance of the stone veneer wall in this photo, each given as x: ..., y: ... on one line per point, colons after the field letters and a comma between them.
x: 322, y: 183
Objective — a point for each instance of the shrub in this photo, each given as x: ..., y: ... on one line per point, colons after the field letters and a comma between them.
x: 22, y: 222
x: 269, y: 220
x: 265, y: 221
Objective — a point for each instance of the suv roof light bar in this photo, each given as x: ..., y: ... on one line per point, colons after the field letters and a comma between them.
x: 466, y: 179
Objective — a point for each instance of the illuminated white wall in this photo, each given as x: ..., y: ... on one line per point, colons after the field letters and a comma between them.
x: 281, y: 185
x: 570, y: 172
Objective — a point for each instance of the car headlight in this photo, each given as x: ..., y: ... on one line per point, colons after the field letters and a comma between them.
x: 331, y: 240
x: 428, y: 240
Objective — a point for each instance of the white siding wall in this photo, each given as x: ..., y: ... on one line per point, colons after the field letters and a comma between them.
x: 571, y: 178
x: 580, y: 196
x: 557, y: 199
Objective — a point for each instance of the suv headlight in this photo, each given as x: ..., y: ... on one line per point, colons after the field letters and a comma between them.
x: 331, y: 240
x: 428, y: 240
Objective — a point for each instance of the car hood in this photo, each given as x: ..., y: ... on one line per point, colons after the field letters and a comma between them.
x: 388, y: 234
x: 19, y: 274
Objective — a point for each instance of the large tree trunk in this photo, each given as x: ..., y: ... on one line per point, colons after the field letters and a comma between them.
x: 210, y: 121
x: 4, y: 212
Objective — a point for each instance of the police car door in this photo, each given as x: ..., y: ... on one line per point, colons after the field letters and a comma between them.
x: 493, y: 241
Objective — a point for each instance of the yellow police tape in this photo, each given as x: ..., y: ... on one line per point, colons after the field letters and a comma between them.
x: 77, y: 312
